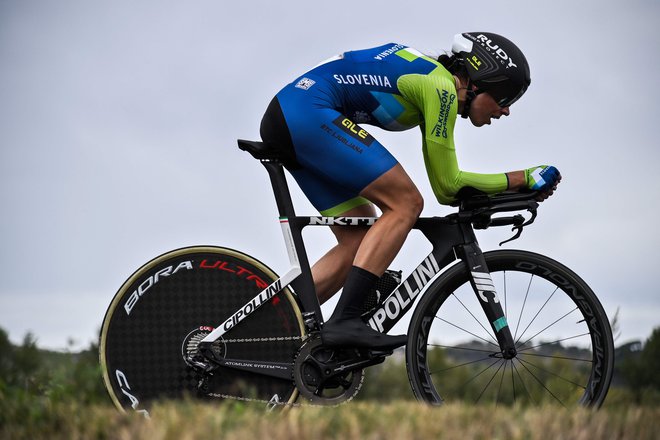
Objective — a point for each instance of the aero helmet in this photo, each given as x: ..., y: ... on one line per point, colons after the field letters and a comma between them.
x: 493, y: 64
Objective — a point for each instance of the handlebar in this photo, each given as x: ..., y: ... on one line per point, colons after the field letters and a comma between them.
x: 478, y: 208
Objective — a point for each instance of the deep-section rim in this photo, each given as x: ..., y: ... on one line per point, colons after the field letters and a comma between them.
x: 459, y: 273
x: 174, y: 254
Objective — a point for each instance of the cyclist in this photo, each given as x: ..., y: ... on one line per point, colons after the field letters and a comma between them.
x: 344, y: 170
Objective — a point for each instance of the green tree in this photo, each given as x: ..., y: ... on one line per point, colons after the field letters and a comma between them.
x: 641, y: 373
x: 26, y: 372
x: 5, y: 356
x: 19, y: 366
x: 651, y: 360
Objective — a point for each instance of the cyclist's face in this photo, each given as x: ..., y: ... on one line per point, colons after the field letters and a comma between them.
x: 484, y: 108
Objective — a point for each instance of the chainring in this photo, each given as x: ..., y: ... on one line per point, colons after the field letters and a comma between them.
x: 311, y: 376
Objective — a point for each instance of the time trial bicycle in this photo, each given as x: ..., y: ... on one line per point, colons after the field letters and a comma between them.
x: 505, y: 326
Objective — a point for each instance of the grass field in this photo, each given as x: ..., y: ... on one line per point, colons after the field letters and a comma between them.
x: 356, y: 420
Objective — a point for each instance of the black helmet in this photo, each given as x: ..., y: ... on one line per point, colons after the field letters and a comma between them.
x: 494, y: 64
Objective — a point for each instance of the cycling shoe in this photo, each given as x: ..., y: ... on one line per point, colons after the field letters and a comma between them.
x: 354, y: 332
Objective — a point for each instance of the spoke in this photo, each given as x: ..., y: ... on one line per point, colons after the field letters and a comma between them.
x: 513, y: 367
x: 552, y: 342
x: 549, y: 326
x: 475, y: 318
x: 460, y: 365
x: 556, y: 357
x: 503, y: 362
x: 523, y: 306
x: 454, y: 347
x: 466, y: 331
x: 542, y: 384
x: 499, y: 390
x: 480, y: 373
x: 513, y: 383
x: 551, y: 373
x: 537, y: 314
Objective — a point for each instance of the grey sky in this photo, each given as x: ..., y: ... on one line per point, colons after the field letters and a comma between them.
x: 118, y: 123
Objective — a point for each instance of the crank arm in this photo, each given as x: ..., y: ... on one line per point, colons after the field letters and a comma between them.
x: 360, y: 364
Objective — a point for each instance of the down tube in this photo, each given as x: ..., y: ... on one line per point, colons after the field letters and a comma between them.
x: 403, y: 297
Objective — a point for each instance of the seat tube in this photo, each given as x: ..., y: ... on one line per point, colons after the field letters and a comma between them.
x: 304, y: 283
x: 483, y: 287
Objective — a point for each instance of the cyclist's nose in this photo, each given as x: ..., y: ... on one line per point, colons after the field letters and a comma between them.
x: 505, y: 111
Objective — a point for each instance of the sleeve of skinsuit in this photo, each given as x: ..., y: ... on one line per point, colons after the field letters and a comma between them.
x: 435, y: 97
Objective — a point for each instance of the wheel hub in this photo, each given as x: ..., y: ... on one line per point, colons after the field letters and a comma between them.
x: 190, y: 348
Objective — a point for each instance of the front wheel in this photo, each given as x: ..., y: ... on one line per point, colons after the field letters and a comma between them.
x: 160, y: 314
x: 562, y: 336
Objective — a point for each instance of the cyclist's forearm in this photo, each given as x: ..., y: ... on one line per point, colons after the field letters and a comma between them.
x: 517, y: 180
x: 447, y: 178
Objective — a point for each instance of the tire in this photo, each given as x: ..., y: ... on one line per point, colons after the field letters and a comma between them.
x: 562, y: 334
x: 151, y: 319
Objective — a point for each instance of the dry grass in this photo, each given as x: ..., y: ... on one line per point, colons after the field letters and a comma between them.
x: 358, y: 420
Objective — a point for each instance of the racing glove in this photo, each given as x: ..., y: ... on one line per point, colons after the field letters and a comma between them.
x: 542, y: 177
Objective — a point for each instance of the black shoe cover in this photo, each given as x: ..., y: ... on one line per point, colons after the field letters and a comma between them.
x: 354, y: 332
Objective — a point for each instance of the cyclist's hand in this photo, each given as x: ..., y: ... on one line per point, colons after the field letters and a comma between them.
x: 544, y: 179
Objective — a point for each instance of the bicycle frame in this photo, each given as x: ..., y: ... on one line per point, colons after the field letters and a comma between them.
x: 452, y: 238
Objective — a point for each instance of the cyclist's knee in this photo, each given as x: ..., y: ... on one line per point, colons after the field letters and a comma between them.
x: 415, y: 204
x: 394, y: 191
x: 409, y: 206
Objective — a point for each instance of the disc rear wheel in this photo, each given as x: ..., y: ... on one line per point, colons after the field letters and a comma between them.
x: 157, y: 318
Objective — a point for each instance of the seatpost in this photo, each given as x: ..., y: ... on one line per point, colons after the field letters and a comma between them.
x: 280, y: 188
x: 304, y: 283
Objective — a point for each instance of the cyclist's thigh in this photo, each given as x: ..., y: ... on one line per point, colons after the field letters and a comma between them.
x: 352, y: 235
x: 338, y: 157
x: 331, y: 145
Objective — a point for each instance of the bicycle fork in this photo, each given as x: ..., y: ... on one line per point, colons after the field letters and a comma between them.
x: 483, y: 287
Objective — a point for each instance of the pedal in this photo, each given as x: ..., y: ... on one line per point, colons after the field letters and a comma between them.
x: 383, y: 353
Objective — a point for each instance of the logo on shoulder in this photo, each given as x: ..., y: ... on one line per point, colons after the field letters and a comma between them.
x: 305, y: 83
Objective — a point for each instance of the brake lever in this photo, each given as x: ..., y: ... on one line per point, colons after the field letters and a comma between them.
x: 519, y: 228
x: 516, y: 236
x: 532, y: 218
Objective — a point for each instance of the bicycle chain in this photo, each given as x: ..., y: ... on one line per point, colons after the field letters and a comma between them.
x: 272, y: 404
x: 271, y: 339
